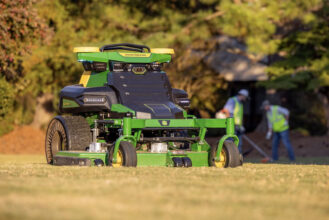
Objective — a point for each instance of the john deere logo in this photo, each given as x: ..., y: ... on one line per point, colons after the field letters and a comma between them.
x: 164, y: 122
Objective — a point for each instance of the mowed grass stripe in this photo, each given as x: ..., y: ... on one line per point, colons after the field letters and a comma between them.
x: 31, y: 189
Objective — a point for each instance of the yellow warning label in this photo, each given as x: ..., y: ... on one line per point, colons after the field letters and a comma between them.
x: 135, y: 54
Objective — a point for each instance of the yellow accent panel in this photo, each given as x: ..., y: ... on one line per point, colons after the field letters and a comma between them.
x: 85, y: 78
x: 163, y: 50
x: 85, y: 49
x: 135, y: 54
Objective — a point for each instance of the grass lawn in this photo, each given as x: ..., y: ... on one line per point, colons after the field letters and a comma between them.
x: 31, y: 189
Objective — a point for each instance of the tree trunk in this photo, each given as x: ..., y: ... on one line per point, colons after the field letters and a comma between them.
x: 43, y: 110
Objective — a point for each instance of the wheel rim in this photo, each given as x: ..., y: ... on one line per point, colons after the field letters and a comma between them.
x: 119, y: 162
x: 223, y: 157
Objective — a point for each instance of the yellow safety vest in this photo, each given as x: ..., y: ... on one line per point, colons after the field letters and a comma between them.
x: 278, y: 121
x: 238, y: 112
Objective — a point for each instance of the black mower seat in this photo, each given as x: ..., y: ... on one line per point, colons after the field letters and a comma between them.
x: 145, y: 93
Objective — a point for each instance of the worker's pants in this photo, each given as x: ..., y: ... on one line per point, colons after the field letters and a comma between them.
x: 284, y: 135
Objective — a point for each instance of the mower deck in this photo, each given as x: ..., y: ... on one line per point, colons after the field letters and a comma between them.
x: 82, y: 158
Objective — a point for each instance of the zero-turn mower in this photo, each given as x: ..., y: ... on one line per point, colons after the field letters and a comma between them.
x: 124, y: 112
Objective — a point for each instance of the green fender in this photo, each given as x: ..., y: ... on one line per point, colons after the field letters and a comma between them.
x: 129, y: 138
x: 221, y: 143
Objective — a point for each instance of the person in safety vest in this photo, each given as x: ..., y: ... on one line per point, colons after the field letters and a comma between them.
x: 277, y: 118
x: 234, y: 108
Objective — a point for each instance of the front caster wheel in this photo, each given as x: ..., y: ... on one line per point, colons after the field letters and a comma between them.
x: 126, y: 155
x: 229, y: 156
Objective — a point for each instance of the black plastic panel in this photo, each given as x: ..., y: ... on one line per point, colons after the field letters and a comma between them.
x: 77, y: 93
x: 150, y: 92
x: 71, y: 161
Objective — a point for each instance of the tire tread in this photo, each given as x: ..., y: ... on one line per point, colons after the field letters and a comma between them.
x: 79, y: 133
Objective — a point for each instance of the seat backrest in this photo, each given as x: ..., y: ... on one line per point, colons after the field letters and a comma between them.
x: 149, y: 92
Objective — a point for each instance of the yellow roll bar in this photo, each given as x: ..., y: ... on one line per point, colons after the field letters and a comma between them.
x: 163, y: 50
x: 85, y: 49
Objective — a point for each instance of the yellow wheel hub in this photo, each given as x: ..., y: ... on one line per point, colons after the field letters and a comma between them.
x: 119, y: 162
x: 223, y: 158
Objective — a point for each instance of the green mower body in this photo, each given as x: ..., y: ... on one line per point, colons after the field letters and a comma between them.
x: 124, y: 112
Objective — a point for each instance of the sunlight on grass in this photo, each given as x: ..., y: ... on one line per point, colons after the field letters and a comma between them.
x: 31, y: 189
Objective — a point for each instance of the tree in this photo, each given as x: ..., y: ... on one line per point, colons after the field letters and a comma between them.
x: 20, y: 30
x: 305, y: 56
x: 304, y: 62
x: 50, y: 30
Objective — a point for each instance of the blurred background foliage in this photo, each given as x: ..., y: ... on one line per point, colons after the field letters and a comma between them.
x: 37, y: 38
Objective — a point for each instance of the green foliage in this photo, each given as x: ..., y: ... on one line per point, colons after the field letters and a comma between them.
x: 6, y: 98
x: 305, y: 53
x: 20, y: 28
x: 304, y: 66
x: 50, y: 29
x: 6, y: 106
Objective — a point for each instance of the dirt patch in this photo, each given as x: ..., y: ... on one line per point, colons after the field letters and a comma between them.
x: 23, y: 140
x: 304, y: 146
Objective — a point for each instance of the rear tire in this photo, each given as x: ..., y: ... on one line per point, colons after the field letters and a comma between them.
x: 77, y: 130
x: 126, y: 155
x: 56, y: 140
x: 66, y: 133
x: 230, y: 156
